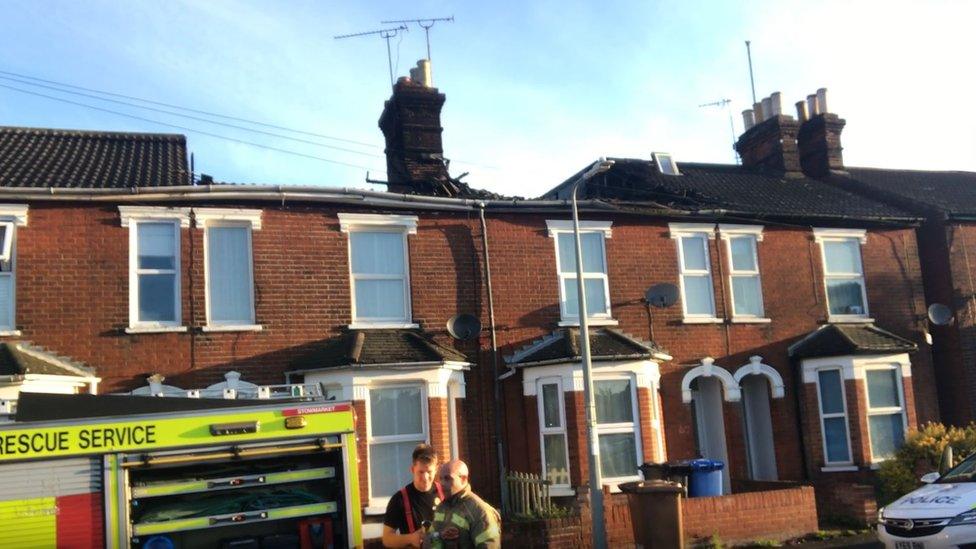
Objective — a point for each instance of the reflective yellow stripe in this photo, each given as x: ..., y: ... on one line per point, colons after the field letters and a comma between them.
x: 438, y: 516
x: 460, y: 521
x: 488, y: 534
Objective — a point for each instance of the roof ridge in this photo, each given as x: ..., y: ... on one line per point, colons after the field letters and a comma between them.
x: 104, y: 134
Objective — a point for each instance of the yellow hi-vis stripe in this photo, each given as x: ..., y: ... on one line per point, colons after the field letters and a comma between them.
x: 488, y: 534
x: 460, y: 521
x: 29, y: 523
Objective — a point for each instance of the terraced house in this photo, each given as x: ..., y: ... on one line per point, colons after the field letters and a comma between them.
x: 795, y: 350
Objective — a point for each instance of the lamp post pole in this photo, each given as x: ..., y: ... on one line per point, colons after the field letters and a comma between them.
x: 596, y: 483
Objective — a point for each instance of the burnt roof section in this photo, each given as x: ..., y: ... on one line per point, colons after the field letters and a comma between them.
x: 950, y: 193
x: 562, y: 345
x: 850, y: 339
x: 19, y: 358
x: 42, y: 157
x: 50, y: 407
x: 721, y: 190
x: 365, y: 348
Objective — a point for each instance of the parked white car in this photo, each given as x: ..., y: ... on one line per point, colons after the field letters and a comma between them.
x: 941, y: 514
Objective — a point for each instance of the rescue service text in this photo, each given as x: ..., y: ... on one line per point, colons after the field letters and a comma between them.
x: 39, y: 442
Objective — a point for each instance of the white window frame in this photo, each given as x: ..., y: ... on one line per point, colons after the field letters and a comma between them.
x: 407, y: 225
x: 843, y: 235
x: 563, y: 272
x: 12, y: 216
x: 820, y: 412
x: 680, y: 231
x: 884, y: 411
x: 633, y: 427
x: 131, y: 217
x: 561, y: 430
x: 658, y: 156
x: 381, y: 501
x: 250, y: 220
x: 755, y: 236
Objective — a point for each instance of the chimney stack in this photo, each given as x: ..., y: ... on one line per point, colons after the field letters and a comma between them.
x: 771, y: 141
x: 411, y: 124
x: 819, y: 138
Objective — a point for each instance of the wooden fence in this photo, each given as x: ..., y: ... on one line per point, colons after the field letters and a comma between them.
x: 528, y: 494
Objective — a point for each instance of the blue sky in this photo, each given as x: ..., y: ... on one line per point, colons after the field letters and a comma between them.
x: 535, y: 90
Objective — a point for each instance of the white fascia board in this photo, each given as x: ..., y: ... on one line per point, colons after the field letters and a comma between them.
x: 647, y: 374
x: 557, y: 226
x: 350, y: 221
x: 139, y: 213
x: 202, y: 216
x: 677, y: 230
x: 728, y: 230
x: 820, y: 234
x: 356, y: 382
x: 17, y: 213
x: 854, y: 366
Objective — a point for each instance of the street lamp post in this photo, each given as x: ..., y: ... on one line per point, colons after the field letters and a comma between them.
x: 596, y: 483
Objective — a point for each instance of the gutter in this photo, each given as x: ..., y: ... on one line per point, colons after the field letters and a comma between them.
x: 575, y: 359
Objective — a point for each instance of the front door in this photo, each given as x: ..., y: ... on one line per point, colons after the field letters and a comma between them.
x: 710, y: 423
x: 758, y: 428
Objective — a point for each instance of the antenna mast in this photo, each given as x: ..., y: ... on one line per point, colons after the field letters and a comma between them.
x: 752, y: 81
x: 386, y: 34
x: 724, y: 103
x: 425, y: 24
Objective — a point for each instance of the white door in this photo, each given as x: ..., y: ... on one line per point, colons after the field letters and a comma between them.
x: 710, y: 423
x: 758, y: 428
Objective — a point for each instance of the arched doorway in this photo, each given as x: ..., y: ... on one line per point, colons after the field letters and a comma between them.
x: 706, y: 388
x: 758, y: 381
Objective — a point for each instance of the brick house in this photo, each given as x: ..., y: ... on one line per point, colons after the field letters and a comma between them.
x: 800, y: 308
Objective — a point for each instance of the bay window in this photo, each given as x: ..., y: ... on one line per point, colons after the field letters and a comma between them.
x: 617, y: 428
x: 552, y: 428
x: 396, y: 426
x: 833, y: 416
x: 886, y: 411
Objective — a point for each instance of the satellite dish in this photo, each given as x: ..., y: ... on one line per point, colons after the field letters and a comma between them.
x: 939, y: 314
x: 463, y: 326
x: 662, y: 295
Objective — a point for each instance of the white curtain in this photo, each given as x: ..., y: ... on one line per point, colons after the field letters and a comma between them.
x: 229, y: 276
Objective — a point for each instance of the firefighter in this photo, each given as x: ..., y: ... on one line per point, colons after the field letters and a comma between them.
x: 463, y: 520
x: 412, y: 508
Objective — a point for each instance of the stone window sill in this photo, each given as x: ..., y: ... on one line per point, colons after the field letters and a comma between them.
x: 590, y: 322
x: 702, y: 320
x: 154, y: 329
x: 750, y: 320
x: 839, y: 469
x: 233, y: 328
x: 843, y: 319
x: 10, y: 333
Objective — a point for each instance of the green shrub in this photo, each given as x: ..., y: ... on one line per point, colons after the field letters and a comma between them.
x: 921, y: 454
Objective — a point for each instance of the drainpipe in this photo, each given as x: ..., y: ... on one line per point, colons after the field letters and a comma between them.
x: 499, y: 441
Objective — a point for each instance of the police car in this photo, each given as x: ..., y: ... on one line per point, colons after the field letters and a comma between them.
x: 940, y: 514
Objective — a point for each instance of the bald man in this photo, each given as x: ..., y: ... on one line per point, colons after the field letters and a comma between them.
x: 463, y: 520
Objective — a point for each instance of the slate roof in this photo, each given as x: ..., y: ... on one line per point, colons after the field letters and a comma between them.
x: 22, y: 358
x: 363, y: 348
x: 850, y: 339
x: 707, y: 188
x: 41, y: 157
x: 952, y: 193
x: 562, y: 345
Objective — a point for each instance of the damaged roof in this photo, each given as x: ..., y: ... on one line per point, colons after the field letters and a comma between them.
x: 850, y: 339
x: 562, y: 345
x: 723, y: 189
x: 952, y: 192
x: 43, y: 157
x: 375, y: 347
x: 18, y: 358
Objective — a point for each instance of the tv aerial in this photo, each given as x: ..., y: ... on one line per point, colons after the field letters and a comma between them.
x: 425, y: 24
x: 386, y: 34
x: 464, y: 326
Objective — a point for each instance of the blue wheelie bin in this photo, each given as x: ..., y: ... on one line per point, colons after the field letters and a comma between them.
x: 706, y: 478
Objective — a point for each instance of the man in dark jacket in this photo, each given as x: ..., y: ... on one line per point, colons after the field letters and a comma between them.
x: 413, y: 505
x: 463, y: 520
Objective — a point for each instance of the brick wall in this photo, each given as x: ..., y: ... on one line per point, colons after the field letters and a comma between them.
x: 776, y: 515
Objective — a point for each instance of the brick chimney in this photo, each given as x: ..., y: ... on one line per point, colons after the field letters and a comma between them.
x: 411, y: 124
x: 769, y: 141
x: 819, y: 137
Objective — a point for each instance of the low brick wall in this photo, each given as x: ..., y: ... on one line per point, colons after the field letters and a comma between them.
x: 757, y: 515
x: 846, y: 502
x: 564, y: 533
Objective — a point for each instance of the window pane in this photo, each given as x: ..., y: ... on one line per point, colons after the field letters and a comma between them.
x: 618, y: 455
x: 389, y: 467
x: 882, y: 388
x: 746, y: 295
x: 229, y: 276
x: 550, y: 405
x: 887, y: 434
x: 557, y: 465
x: 157, y: 298
x: 395, y: 411
x: 596, y: 298
x: 845, y: 297
x: 377, y: 252
x: 6, y: 301
x: 613, y: 404
x: 157, y: 245
x: 698, y: 295
x: 835, y: 435
x: 742, y: 257
x: 380, y: 299
x: 843, y: 256
x: 693, y: 248
x: 592, y: 244
x: 831, y: 395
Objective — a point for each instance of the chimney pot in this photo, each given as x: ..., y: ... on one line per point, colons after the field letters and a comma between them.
x: 801, y: 111
x: 777, y: 101
x: 767, y: 104
x: 813, y: 108
x: 748, y: 119
x: 822, y: 100
x: 758, y: 109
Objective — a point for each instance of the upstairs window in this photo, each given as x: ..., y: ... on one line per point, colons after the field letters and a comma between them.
x: 379, y: 268
x: 11, y: 216
x: 595, y: 280
x: 154, y: 266
x: 229, y: 268
x: 694, y: 268
x: 843, y: 273
x: 666, y: 164
x: 744, y: 281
